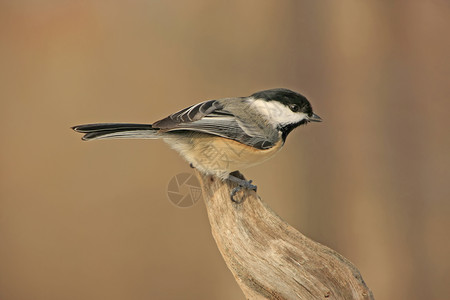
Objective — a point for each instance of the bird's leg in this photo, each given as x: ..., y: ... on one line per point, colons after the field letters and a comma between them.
x: 241, y: 184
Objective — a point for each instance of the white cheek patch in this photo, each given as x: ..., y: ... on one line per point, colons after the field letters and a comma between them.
x: 276, y: 112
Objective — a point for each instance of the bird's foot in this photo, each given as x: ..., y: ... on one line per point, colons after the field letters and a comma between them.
x: 242, y: 183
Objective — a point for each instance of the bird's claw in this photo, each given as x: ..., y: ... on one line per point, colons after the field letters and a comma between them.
x: 243, y: 184
x: 233, y: 193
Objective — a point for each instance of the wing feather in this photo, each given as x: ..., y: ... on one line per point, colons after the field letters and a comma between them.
x: 189, y: 114
x: 212, y: 117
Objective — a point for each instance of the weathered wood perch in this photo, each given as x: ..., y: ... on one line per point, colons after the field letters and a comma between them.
x: 269, y: 258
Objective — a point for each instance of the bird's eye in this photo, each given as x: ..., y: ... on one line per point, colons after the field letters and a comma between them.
x: 294, y: 107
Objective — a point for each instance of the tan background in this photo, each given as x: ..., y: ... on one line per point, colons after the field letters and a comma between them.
x: 92, y: 220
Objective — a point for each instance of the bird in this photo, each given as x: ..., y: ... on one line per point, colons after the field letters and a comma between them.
x: 219, y: 137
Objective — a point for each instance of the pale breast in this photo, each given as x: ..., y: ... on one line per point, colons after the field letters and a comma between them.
x: 219, y: 156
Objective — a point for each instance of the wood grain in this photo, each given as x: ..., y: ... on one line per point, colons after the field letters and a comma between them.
x: 269, y: 258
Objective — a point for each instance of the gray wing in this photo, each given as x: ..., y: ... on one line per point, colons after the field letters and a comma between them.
x: 212, y: 117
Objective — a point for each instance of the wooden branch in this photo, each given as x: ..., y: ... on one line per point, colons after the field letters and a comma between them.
x: 269, y: 258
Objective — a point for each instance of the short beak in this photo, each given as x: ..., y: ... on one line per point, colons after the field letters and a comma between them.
x: 314, y: 118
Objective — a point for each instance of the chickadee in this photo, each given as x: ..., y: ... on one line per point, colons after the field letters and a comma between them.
x: 218, y: 137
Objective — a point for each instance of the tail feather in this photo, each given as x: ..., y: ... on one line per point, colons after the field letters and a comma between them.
x: 116, y: 130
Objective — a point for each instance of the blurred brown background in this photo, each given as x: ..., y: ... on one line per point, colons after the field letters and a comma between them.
x: 91, y: 220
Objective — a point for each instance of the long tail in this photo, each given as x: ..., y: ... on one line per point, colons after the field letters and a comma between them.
x: 116, y: 130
